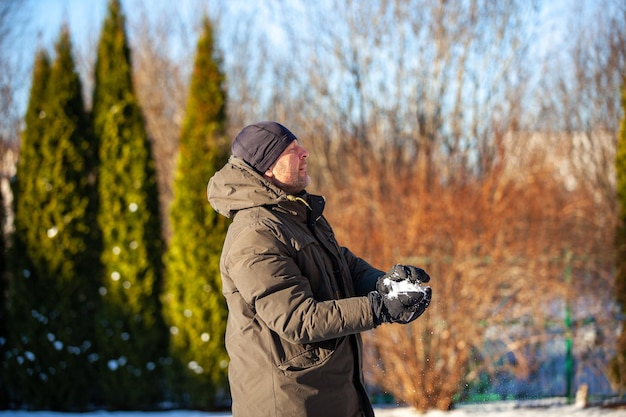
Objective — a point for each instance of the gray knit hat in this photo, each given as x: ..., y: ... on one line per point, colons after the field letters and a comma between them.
x: 260, y: 144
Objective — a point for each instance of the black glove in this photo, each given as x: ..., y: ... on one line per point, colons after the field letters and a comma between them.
x: 399, y: 296
x: 407, y: 272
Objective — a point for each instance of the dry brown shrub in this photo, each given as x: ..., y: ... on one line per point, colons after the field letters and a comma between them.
x: 496, y: 249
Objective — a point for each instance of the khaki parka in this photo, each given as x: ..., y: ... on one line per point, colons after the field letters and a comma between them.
x: 297, y: 302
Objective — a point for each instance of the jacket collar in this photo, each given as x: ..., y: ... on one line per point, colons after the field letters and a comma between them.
x: 310, y: 206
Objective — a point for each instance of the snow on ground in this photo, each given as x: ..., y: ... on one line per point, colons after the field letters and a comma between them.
x: 504, y: 409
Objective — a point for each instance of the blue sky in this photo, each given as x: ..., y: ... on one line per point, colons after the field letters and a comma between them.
x: 85, y: 18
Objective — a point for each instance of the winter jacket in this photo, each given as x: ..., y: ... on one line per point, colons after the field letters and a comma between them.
x: 296, y: 302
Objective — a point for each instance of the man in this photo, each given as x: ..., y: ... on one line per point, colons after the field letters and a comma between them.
x: 297, y: 301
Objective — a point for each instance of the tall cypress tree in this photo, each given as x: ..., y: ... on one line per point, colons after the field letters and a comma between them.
x: 193, y: 304
x: 132, y: 337
x: 31, y: 140
x: 4, y: 392
x: 618, y: 364
x: 55, y: 225
x: 26, y: 293
x: 72, y: 250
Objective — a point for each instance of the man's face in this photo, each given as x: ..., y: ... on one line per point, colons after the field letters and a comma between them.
x: 289, y: 170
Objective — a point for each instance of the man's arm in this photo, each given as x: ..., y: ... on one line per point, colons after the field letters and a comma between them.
x: 364, y: 276
x: 269, y: 279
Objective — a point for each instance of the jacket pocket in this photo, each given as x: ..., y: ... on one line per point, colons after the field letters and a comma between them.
x: 308, y: 356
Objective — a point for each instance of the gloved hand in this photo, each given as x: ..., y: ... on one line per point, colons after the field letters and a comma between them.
x: 399, y: 295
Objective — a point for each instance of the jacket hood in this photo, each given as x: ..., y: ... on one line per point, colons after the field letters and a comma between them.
x: 238, y: 186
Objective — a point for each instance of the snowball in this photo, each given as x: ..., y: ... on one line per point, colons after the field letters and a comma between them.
x: 402, y: 287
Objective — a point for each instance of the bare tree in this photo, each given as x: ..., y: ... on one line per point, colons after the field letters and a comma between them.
x: 13, y: 78
x: 425, y: 84
x: 580, y: 104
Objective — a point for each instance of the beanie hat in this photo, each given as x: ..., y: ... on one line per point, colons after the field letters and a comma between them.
x: 261, y: 144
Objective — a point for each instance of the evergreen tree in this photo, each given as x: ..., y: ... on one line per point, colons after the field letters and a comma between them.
x: 31, y: 140
x: 132, y: 337
x: 193, y: 304
x: 618, y: 364
x: 4, y: 392
x: 25, y: 316
x: 55, y: 296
